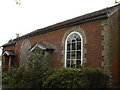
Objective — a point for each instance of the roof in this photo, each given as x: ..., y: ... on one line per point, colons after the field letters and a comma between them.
x: 11, y: 42
x: 101, y: 14
x: 43, y: 47
x: 8, y: 53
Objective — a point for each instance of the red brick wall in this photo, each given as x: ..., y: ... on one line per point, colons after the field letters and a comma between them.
x: 93, y: 45
x: 115, y: 55
x: 119, y: 45
x: 52, y: 37
x: 12, y: 47
x: 5, y: 61
x: 94, y: 38
x: 18, y: 49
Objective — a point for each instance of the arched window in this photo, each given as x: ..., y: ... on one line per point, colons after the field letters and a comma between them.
x: 73, y: 50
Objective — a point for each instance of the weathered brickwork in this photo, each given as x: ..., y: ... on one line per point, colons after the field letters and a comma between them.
x: 119, y: 44
x: 106, y: 43
x: 12, y: 47
x: 93, y: 45
x: 114, y: 46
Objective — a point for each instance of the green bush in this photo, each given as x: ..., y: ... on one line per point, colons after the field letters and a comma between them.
x: 27, y: 77
x: 66, y: 78
x: 34, y: 78
x: 46, y: 77
x: 12, y: 77
x: 39, y: 75
x: 71, y: 78
x: 96, y: 78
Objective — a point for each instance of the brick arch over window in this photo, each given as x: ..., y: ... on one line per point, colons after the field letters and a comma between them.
x: 78, y: 30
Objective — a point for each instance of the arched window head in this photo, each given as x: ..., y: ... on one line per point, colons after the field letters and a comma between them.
x: 73, y: 50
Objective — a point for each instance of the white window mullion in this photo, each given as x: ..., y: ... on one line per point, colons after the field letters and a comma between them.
x: 76, y: 37
x: 70, y: 52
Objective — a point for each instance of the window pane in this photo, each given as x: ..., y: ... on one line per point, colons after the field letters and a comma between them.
x: 71, y: 36
x: 73, y: 63
x: 78, y: 38
x: 78, y: 45
x: 78, y: 64
x: 73, y: 41
x: 68, y: 55
x: 68, y: 63
x: 68, y: 47
x: 78, y: 54
x: 68, y: 40
x: 73, y: 55
x: 76, y: 35
x: 73, y: 46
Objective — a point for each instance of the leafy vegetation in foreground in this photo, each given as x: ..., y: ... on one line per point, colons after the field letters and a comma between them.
x: 46, y: 77
x: 37, y: 75
x: 71, y: 78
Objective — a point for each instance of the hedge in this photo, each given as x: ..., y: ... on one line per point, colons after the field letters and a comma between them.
x: 39, y: 75
x: 26, y: 78
x: 56, y: 78
x: 76, y: 78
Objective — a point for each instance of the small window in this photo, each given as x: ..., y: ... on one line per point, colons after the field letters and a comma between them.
x: 73, y: 50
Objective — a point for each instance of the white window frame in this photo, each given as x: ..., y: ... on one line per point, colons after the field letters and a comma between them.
x: 81, y: 47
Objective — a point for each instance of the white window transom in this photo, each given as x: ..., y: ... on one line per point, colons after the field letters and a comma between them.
x: 73, y: 50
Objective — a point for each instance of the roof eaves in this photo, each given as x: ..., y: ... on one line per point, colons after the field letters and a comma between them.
x: 42, y: 47
x: 8, y: 44
x: 100, y: 14
x: 8, y: 53
x: 113, y: 10
x: 63, y: 25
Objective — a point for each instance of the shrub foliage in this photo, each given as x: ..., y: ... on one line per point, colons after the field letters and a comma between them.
x: 71, y: 78
x: 56, y: 78
x: 37, y: 75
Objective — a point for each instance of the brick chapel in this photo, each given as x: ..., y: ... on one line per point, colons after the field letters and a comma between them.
x: 90, y: 40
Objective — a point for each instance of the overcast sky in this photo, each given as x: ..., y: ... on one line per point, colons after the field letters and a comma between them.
x: 36, y: 14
